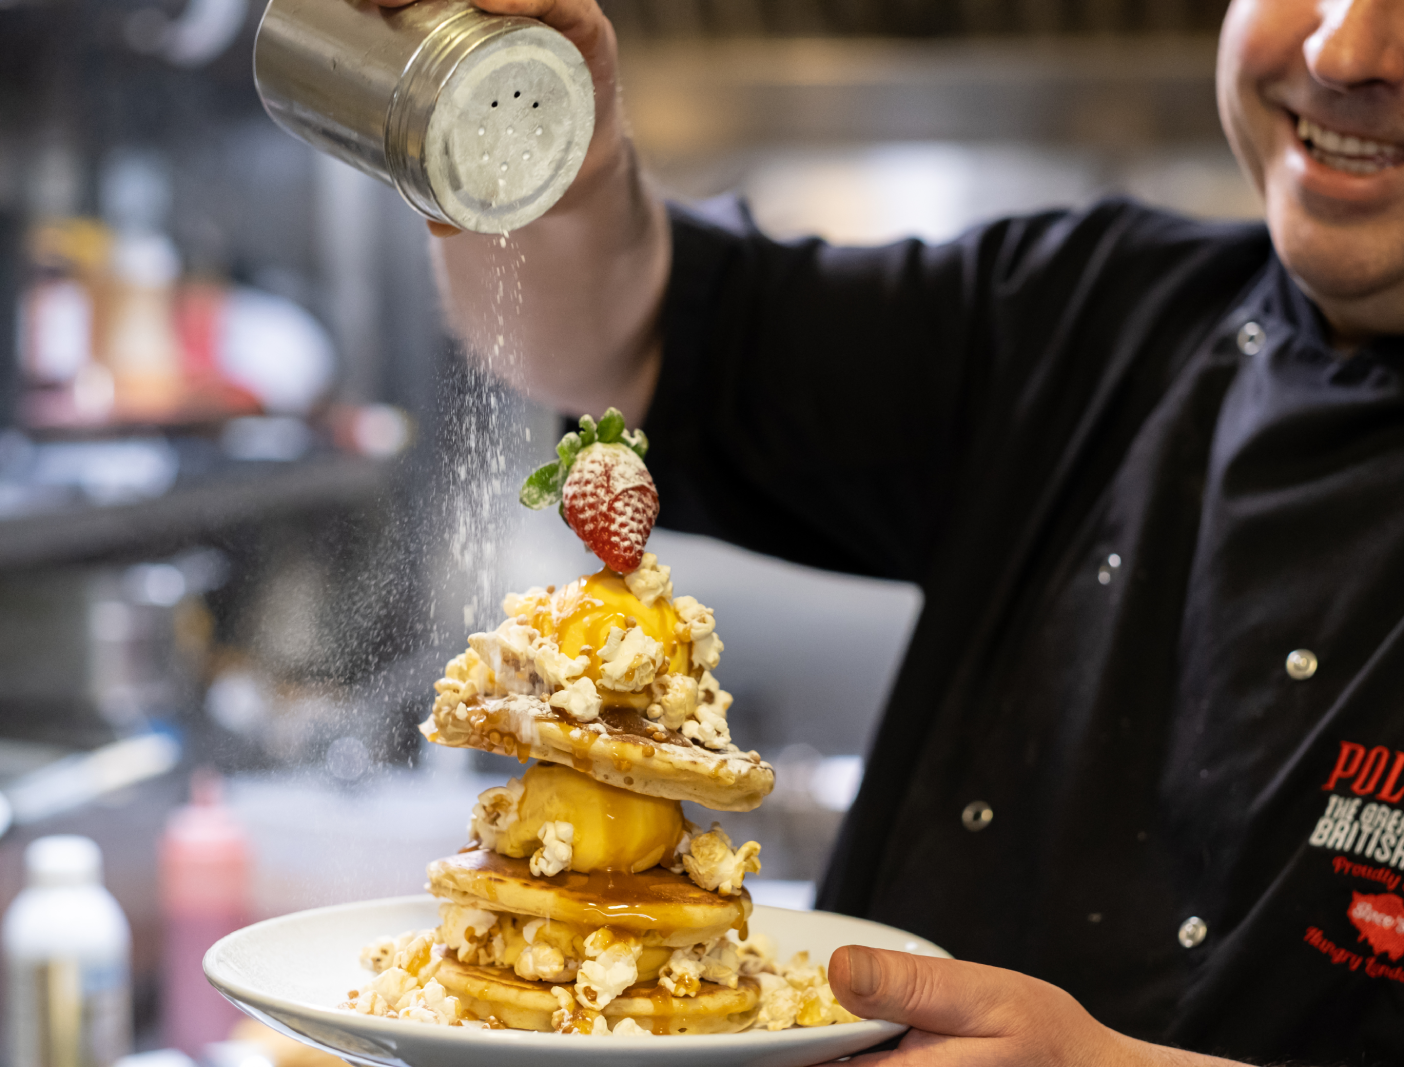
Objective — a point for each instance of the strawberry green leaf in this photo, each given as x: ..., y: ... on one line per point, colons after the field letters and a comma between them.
x: 543, y: 487
x: 611, y: 426
x: 568, y: 449
x: 587, y: 431
x: 636, y: 440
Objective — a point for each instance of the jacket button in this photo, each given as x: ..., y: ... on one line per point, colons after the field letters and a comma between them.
x: 1251, y: 339
x: 1301, y: 664
x: 1193, y: 931
x: 976, y: 816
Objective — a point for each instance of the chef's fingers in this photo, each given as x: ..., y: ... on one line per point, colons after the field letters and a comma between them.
x: 936, y: 995
x: 580, y: 20
x: 919, y: 1049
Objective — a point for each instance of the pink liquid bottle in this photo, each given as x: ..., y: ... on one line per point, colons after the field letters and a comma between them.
x: 204, y: 860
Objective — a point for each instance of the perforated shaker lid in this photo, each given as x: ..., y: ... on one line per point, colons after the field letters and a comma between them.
x: 510, y: 130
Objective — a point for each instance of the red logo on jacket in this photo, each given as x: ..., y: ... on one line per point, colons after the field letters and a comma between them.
x: 1380, y: 920
x: 1367, y: 768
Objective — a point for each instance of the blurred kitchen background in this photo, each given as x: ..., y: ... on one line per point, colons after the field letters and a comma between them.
x: 252, y: 498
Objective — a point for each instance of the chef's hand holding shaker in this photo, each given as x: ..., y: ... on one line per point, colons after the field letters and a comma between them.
x: 595, y: 263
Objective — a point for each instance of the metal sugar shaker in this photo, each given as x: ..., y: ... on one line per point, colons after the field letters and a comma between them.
x: 480, y: 121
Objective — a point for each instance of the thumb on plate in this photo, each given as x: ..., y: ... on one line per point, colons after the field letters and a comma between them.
x: 937, y: 995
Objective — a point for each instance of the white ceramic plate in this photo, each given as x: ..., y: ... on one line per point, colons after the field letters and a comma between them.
x: 289, y: 972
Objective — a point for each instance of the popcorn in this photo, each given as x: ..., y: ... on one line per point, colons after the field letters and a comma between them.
x: 715, y: 961
x: 706, y: 653
x: 466, y: 931
x: 507, y: 652
x: 431, y: 1004
x: 371, y: 1003
x: 721, y: 963
x: 711, y: 694
x: 629, y: 660
x: 571, y: 1018
x: 800, y: 974
x: 545, y: 963
x: 713, y: 865
x: 580, y: 700
x: 611, y: 968
x: 555, y: 852
x: 709, y: 729
x: 626, y: 1027
x: 757, y: 955
x: 417, y: 958
x: 819, y: 1007
x: 394, y: 984
x: 650, y: 582
x: 465, y: 678
x: 683, y: 847
x: 553, y: 666
x: 405, y: 986
x: 697, y: 619
x: 674, y: 700
x: 529, y: 603
x: 780, y: 1003
x: 682, y: 974
x: 377, y: 955
x: 698, y: 626
x: 495, y: 813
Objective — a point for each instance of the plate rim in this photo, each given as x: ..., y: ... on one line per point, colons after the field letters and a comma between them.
x: 240, y: 993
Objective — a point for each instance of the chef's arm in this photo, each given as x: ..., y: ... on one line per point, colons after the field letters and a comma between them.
x: 969, y: 1015
x: 567, y: 310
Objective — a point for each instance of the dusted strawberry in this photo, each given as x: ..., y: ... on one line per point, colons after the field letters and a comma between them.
x: 611, y: 503
x: 606, y: 494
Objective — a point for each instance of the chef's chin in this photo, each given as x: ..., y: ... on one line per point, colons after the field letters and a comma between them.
x: 1352, y: 266
x: 1342, y: 245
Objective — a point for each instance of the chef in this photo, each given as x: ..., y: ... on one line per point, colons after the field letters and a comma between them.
x: 1143, y: 768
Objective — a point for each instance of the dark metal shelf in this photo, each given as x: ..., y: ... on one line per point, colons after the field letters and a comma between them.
x: 244, y: 493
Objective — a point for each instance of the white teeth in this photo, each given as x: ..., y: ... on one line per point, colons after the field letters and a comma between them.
x: 1355, y: 155
x: 1349, y: 164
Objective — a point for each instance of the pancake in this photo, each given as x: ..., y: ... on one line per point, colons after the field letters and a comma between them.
x: 622, y: 748
x: 524, y: 1005
x: 657, y: 906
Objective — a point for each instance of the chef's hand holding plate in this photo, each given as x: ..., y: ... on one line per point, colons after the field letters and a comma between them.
x: 969, y: 1015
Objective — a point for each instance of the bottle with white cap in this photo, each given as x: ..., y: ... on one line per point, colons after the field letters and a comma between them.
x: 67, y: 951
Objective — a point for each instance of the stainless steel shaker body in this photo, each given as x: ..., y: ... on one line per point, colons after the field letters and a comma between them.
x: 480, y: 121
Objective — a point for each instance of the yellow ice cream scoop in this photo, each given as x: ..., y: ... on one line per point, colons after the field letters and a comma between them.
x: 584, y: 612
x: 615, y: 830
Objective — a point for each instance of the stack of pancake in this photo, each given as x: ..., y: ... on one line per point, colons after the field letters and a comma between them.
x: 585, y: 902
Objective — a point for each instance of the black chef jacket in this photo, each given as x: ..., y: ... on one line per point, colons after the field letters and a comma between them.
x: 1136, y: 487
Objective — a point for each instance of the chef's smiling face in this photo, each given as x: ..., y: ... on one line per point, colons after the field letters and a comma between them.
x: 1311, y: 93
